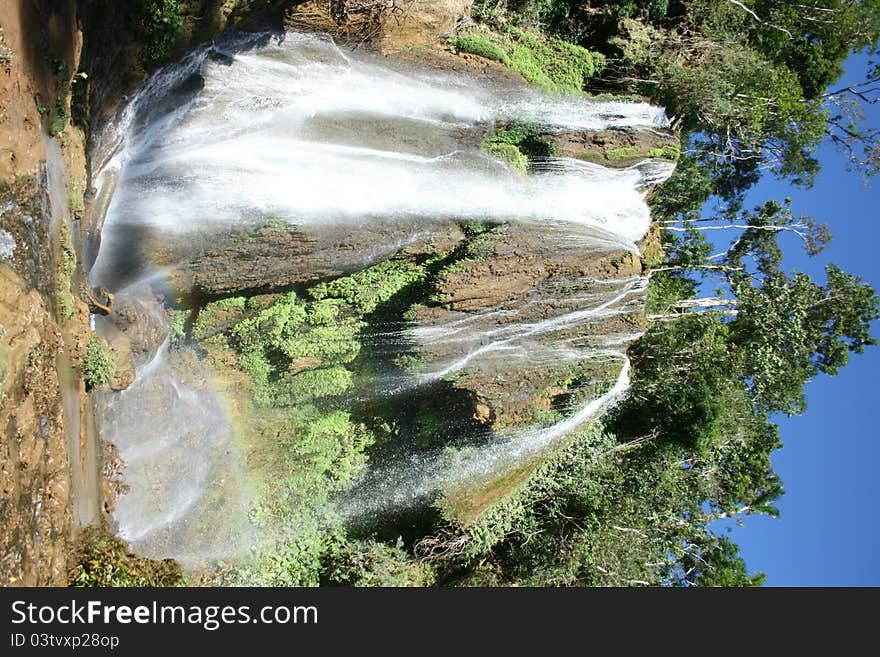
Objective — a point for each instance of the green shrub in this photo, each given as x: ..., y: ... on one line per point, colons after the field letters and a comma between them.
x: 509, y: 154
x: 98, y: 366
x: 162, y: 24
x: 367, y: 289
x: 104, y: 560
x: 371, y: 563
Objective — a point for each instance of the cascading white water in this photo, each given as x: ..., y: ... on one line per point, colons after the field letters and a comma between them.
x: 298, y: 130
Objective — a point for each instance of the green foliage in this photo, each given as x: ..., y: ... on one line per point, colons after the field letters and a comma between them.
x: 684, y: 193
x: 791, y: 329
x: 517, y: 145
x: 371, y: 563
x: 680, y: 370
x: 104, y: 560
x: 162, y: 20
x: 313, y: 384
x: 177, y: 326
x: 410, y: 362
x: 371, y: 287
x: 478, y: 44
x: 602, y: 513
x: 510, y: 154
x: 665, y: 289
x: 217, y: 316
x: 546, y: 62
x: 98, y: 366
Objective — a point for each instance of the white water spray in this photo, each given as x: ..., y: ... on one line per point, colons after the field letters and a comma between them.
x: 331, y: 142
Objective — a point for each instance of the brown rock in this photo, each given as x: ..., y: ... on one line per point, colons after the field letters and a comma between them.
x: 482, y: 413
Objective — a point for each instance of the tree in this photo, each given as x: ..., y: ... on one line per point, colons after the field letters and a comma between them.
x: 791, y: 328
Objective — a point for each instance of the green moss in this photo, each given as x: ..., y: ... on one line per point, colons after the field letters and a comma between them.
x: 509, y: 154
x: 621, y: 153
x: 64, y: 274
x: 517, y: 145
x: 177, y: 326
x: 75, y: 194
x: 669, y: 151
x: 482, y: 45
x: 546, y: 62
x: 369, y: 288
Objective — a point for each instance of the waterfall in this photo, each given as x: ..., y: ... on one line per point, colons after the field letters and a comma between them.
x: 362, y: 157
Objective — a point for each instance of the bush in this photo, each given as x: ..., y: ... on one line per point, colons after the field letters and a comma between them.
x: 509, y: 154
x: 104, y: 560
x: 162, y: 24
x: 98, y: 366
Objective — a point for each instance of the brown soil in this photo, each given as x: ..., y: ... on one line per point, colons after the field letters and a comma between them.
x: 36, y: 518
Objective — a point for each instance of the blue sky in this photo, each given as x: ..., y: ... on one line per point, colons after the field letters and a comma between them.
x: 828, y: 533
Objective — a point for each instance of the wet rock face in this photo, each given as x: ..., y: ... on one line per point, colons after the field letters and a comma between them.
x: 522, y: 258
x: 135, y: 331
x: 525, y: 321
x: 616, y: 148
x: 24, y: 220
x: 278, y: 257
